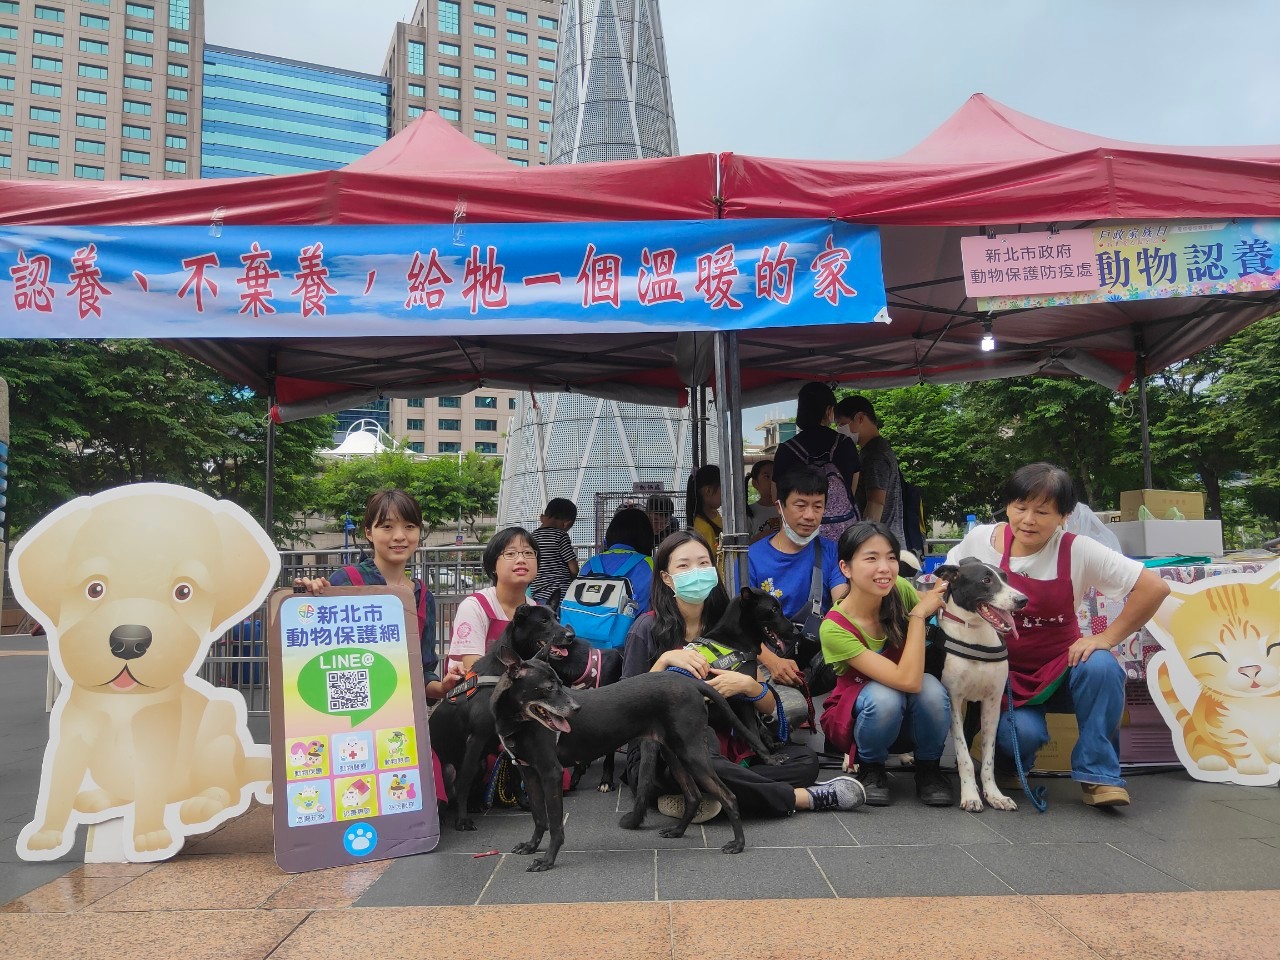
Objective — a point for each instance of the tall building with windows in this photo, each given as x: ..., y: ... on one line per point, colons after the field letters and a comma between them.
x: 268, y: 115
x: 100, y: 89
x: 488, y: 68
x: 474, y: 422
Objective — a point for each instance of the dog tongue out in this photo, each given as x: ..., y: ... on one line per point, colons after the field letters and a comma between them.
x: 124, y: 680
x: 558, y: 722
x: 1002, y: 620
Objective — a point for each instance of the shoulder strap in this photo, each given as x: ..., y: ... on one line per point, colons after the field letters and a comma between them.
x: 422, y: 604
x: 484, y: 605
x: 354, y: 575
x: 815, y: 581
x: 840, y: 620
x: 631, y: 565
x: 1064, y: 556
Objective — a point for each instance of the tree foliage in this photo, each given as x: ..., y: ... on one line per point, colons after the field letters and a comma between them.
x: 446, y: 488
x: 1213, y: 424
x: 88, y: 415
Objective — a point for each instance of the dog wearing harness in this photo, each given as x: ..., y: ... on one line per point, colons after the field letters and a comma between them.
x: 977, y: 617
x: 580, y: 666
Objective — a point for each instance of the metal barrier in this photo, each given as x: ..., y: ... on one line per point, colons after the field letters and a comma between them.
x: 238, y: 659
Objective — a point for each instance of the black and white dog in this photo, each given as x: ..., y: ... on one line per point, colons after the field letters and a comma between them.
x: 975, y: 621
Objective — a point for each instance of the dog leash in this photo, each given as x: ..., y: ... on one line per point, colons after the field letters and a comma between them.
x: 1037, y: 795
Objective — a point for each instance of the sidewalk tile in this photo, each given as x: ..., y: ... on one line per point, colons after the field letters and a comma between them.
x: 199, y: 883
x: 1211, y: 864
x: 436, y: 879
x: 327, y: 889
x: 1046, y: 868
x: 198, y: 935
x: 887, y: 929
x: 1189, y: 926
x: 65, y: 895
x: 756, y: 872
x: 251, y: 832
x: 585, y: 877
x: 903, y: 871
x: 618, y: 931
x: 99, y: 870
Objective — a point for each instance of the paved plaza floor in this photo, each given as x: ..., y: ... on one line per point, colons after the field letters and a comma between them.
x: 1190, y: 870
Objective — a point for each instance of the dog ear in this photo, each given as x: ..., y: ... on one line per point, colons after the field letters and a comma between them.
x: 745, y: 593
x: 522, y: 611
x: 947, y: 572
x: 509, y: 658
x: 40, y: 560
x: 245, y: 567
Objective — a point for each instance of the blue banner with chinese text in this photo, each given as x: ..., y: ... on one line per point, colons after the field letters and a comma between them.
x: 336, y: 281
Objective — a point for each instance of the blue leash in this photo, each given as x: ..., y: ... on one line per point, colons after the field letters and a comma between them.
x: 784, y: 728
x: 1037, y: 795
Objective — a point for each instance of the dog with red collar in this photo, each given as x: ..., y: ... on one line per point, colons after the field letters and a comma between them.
x: 975, y: 621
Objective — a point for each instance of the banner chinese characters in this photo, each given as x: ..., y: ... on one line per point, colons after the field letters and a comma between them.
x: 334, y: 281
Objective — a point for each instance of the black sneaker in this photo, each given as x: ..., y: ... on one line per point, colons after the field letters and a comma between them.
x: 932, y: 785
x: 875, y: 781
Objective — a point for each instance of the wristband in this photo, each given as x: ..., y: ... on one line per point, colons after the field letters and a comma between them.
x: 764, y: 689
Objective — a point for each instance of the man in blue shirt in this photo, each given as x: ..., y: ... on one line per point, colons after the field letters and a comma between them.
x: 783, y: 565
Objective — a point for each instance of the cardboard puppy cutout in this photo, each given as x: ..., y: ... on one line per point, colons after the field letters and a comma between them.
x: 1216, y: 681
x: 132, y: 585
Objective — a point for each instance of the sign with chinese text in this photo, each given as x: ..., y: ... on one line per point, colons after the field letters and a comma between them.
x: 1022, y: 263
x: 335, y: 281
x: 1145, y: 261
x: 352, y: 766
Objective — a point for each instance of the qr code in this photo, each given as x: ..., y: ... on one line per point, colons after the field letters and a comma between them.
x: 348, y: 690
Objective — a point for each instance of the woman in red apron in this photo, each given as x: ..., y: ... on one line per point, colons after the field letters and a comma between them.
x: 511, y: 561
x: 874, y: 640
x: 1051, y: 666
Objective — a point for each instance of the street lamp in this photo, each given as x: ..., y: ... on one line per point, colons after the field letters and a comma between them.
x: 457, y: 540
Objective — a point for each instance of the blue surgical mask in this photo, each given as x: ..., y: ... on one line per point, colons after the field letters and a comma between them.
x: 694, y: 586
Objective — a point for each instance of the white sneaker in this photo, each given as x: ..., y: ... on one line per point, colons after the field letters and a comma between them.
x: 672, y: 805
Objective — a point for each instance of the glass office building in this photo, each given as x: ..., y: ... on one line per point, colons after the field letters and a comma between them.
x: 267, y: 115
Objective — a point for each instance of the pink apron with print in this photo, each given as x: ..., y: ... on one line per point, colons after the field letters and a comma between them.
x: 1047, y: 626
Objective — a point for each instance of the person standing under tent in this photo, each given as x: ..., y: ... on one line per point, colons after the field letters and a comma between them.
x: 879, y: 493
x: 834, y: 455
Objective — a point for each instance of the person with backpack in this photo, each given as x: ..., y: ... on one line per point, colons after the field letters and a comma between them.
x: 612, y: 589
x: 879, y: 493
x: 834, y: 455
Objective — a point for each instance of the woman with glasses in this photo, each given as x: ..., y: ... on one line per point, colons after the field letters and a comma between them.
x: 511, y: 561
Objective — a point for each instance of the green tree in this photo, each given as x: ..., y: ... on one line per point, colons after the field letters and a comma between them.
x: 444, y: 487
x: 90, y: 415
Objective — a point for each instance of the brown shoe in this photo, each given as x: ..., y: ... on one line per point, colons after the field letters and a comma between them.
x: 1103, y: 795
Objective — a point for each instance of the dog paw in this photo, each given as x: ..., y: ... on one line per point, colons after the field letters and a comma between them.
x: 154, y: 840
x: 204, y: 807
x: 675, y: 833
x: 45, y: 840
x: 630, y: 821
x: 93, y: 801
x: 973, y: 804
x: 526, y: 848
x: 734, y: 846
x: 1252, y: 766
x: 1213, y: 764
x: 999, y: 801
x: 538, y: 866
x: 605, y: 788
x: 464, y: 823
x: 773, y: 759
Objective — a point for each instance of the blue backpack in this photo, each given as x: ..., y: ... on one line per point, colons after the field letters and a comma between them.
x: 600, y: 607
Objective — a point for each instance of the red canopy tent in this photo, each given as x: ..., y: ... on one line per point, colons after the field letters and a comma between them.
x: 986, y: 166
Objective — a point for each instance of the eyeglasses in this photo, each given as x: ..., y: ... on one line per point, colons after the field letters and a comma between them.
x: 519, y: 555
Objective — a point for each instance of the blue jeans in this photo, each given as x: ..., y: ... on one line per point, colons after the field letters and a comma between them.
x: 879, y: 712
x: 1094, y: 692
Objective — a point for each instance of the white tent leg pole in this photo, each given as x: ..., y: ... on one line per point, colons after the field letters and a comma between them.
x: 733, y: 502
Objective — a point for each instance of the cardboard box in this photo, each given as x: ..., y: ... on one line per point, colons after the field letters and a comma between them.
x: 1169, y: 538
x: 1159, y: 502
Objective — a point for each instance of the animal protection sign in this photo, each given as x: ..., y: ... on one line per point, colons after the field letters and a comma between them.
x: 352, y: 769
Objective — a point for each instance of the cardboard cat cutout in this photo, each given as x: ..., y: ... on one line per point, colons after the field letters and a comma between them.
x: 1216, y: 681
x: 131, y: 586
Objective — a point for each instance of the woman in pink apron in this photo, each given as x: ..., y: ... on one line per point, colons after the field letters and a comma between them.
x: 1051, y: 666
x: 511, y: 561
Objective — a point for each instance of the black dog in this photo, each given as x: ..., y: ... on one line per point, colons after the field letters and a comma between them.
x: 581, y: 666
x: 462, y: 727
x: 533, y: 713
x: 752, y: 618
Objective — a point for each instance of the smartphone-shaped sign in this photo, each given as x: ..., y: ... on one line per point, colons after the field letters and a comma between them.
x: 352, y: 772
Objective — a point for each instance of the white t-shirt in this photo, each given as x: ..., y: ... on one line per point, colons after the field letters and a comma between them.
x: 471, y: 624
x: 1092, y: 564
x: 763, y: 520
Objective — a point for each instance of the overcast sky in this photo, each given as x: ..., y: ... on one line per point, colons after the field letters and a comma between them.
x: 843, y: 79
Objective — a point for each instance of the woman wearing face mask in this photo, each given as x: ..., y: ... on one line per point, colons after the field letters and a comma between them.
x: 687, y: 600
